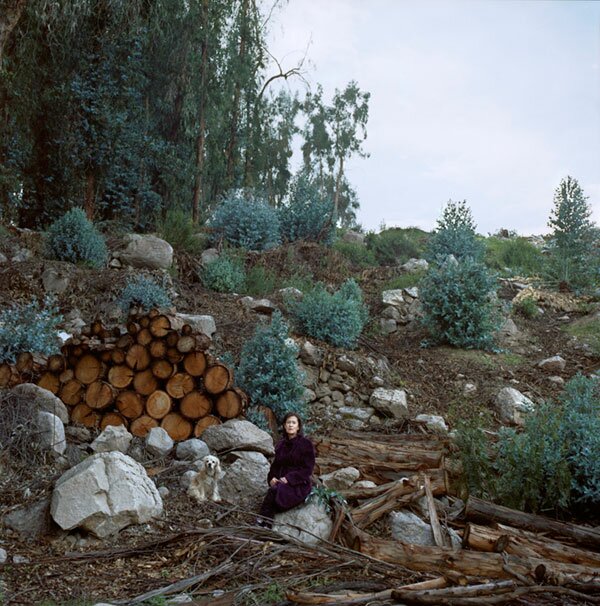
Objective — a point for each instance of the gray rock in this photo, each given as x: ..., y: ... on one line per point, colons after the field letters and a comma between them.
x: 246, y: 479
x: 3, y: 259
x: 291, y: 293
x: 311, y: 355
x: 412, y: 292
x: 23, y: 255
x: 199, y: 323
x: 409, y: 528
x: 554, y: 364
x: 391, y: 402
x: 392, y: 297
x: 55, y: 281
x: 186, y: 478
x: 346, y: 364
x: 50, y: 432
x: 208, y: 256
x: 103, y: 494
x: 114, y: 263
x: 30, y: 521
x: 364, y: 484
x: 509, y: 329
x: 163, y: 491
x: 388, y: 326
x: 259, y: 306
x: 43, y: 399
x: 3, y: 556
x: 356, y: 412
x: 19, y: 559
x: 557, y: 381
x: 192, y: 450
x: 433, y: 422
x: 113, y: 437
x: 415, y: 265
x: 340, y: 478
x: 147, y: 251
x: 353, y: 237
x: 78, y: 433
x: 512, y: 406
x: 158, y: 442
x: 391, y: 313
x: 237, y: 434
x: 469, y: 389
x: 309, y: 522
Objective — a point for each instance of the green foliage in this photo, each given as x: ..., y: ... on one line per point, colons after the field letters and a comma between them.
x: 515, y: 254
x: 397, y: 245
x: 455, y: 234
x: 143, y: 291
x: 224, y: 274
x: 307, y: 214
x: 178, y: 230
x: 74, y: 238
x: 260, y: 281
x: 581, y: 436
x: 458, y: 304
x: 29, y: 327
x: 551, y: 464
x: 244, y: 221
x: 572, y: 236
x: 268, y: 371
x: 337, y: 318
x: 358, y: 254
x: 587, y: 330
x: 533, y: 472
x: 326, y: 496
x: 526, y: 307
x: 273, y: 593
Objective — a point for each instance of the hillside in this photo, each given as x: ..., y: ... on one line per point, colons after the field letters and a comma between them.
x: 75, y: 568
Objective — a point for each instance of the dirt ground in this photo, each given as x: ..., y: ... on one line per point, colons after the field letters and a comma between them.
x: 188, y: 539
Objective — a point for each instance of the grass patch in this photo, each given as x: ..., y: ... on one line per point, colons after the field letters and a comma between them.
x: 358, y: 254
x: 517, y: 255
x: 586, y: 330
x: 397, y: 245
x: 404, y: 281
x: 260, y: 281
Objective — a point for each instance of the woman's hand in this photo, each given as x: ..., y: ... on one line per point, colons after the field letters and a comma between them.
x: 274, y: 481
x: 283, y: 481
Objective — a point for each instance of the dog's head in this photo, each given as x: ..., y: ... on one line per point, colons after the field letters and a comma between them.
x: 212, y: 465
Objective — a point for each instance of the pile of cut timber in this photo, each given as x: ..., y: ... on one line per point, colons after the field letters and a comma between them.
x: 152, y: 372
x: 505, y: 555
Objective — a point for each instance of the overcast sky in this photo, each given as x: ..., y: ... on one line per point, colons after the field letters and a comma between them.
x: 489, y: 101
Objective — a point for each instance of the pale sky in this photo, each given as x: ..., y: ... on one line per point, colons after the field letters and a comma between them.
x: 489, y: 101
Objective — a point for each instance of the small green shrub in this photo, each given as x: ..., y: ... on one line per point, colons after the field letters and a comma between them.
x: 358, y: 254
x: 337, y: 318
x: 518, y: 255
x: 307, y: 215
x: 268, y: 371
x: 397, y: 245
x: 178, y: 230
x: 225, y: 274
x: 145, y: 292
x: 29, y: 327
x: 74, y: 238
x: 526, y: 307
x: 458, y: 304
x: 587, y: 330
x: 533, y: 472
x: 246, y: 222
x: 260, y: 281
x: 455, y: 235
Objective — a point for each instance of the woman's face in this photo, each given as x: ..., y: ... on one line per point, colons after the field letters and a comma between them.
x: 292, y: 426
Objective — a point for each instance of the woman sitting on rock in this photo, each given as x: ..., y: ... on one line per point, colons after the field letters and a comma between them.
x: 290, y: 473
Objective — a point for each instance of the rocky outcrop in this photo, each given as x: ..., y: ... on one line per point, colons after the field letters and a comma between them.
x: 237, y: 434
x: 147, y: 251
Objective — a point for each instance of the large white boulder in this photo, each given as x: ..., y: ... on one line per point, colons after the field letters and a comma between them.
x: 147, y: 251
x: 391, y: 402
x: 392, y: 297
x: 340, y: 478
x: 103, y: 494
x: 555, y: 364
x: 309, y: 522
x: 158, y: 442
x: 200, y: 323
x: 237, y: 434
x: 410, y: 528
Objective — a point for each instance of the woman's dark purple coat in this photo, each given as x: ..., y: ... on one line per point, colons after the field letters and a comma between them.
x: 294, y: 461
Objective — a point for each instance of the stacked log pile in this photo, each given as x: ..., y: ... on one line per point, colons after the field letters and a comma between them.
x: 505, y: 554
x: 152, y: 372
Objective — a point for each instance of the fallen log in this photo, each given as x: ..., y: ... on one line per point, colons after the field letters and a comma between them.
x: 478, y: 510
x: 469, y: 563
x: 526, y: 544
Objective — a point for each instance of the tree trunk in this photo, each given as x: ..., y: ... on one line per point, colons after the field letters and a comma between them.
x: 89, y: 203
x: 478, y: 510
x: 158, y: 404
x: 10, y: 13
x: 338, y: 183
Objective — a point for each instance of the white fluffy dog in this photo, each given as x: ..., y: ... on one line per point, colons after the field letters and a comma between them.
x: 204, y: 484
